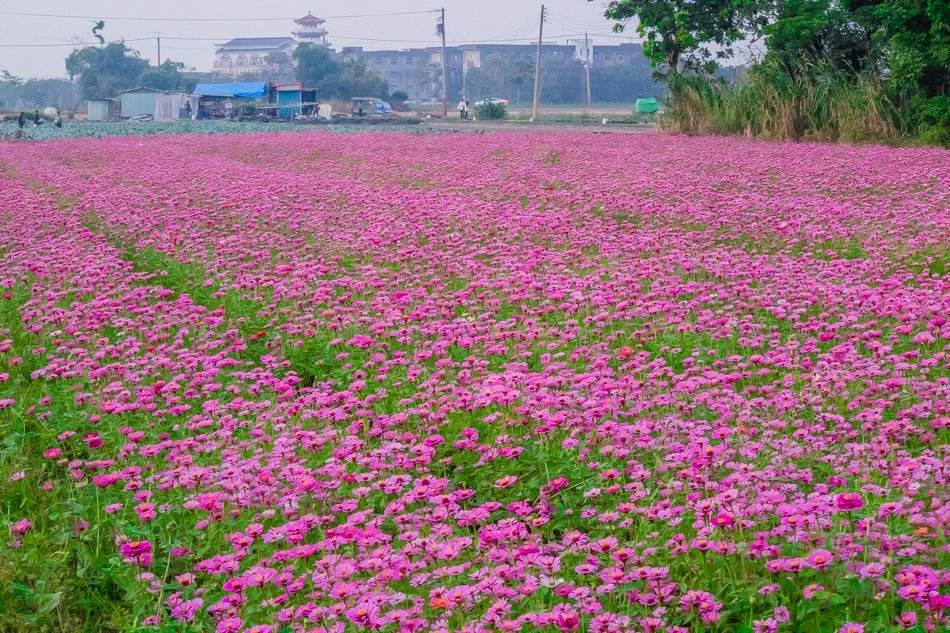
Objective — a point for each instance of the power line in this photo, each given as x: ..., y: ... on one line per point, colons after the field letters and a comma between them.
x: 579, y: 23
x: 144, y: 19
x: 76, y: 44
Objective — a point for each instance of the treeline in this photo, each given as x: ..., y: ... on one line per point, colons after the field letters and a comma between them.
x: 833, y: 70
x: 30, y: 94
x: 104, y: 71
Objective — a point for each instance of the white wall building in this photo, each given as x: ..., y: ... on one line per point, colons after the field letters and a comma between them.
x: 254, y: 55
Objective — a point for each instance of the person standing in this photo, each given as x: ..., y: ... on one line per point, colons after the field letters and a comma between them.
x: 37, y: 118
x: 21, y: 121
x: 463, y: 109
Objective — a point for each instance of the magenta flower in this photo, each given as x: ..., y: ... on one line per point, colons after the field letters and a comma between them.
x: 781, y: 614
x: 907, y: 619
x: 820, y: 558
x: 137, y: 552
x: 849, y: 501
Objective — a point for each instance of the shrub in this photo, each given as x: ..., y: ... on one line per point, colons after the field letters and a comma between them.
x: 490, y: 111
x: 808, y: 102
x: 935, y: 122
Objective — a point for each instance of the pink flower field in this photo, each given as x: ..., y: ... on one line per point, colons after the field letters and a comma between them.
x: 510, y: 382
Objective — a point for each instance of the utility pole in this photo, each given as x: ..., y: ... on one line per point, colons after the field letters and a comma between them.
x: 445, y: 63
x: 587, y: 66
x: 158, y: 40
x: 537, y: 70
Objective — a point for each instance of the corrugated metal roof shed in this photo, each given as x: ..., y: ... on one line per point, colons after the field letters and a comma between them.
x: 138, y: 102
x: 99, y: 109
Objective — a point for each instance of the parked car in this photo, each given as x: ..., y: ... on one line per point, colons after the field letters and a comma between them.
x: 370, y: 105
x: 482, y: 102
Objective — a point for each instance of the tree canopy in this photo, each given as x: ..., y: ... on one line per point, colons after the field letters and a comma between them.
x: 105, y: 70
x: 321, y: 70
x: 897, y: 50
x: 168, y: 76
x: 687, y: 36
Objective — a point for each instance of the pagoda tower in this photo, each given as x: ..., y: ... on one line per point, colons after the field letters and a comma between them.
x: 310, y: 30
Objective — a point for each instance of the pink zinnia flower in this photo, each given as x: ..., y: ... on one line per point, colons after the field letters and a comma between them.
x: 907, y: 619
x: 848, y: 501
x: 138, y: 552
x: 506, y: 481
x: 782, y: 614
x: 230, y: 625
x: 820, y: 558
x: 21, y: 527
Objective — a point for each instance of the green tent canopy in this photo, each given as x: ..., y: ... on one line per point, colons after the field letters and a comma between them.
x: 646, y: 105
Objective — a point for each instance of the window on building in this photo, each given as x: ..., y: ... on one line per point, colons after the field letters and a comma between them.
x: 408, y: 61
x: 225, y: 60
x: 393, y: 61
x: 255, y: 60
x: 378, y: 61
x: 242, y: 60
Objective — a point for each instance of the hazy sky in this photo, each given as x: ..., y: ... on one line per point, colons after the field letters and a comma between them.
x: 466, y: 21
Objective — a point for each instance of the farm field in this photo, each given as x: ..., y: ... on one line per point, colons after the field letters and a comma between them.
x: 550, y: 382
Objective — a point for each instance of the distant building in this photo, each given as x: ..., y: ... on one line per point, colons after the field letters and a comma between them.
x: 617, y: 54
x: 253, y: 55
x: 258, y: 55
x: 408, y: 70
x: 310, y: 30
x: 417, y: 71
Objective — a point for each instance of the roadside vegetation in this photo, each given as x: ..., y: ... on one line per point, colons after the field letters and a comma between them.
x: 850, y: 71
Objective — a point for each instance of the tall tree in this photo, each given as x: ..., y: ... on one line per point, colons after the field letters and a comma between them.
x: 357, y: 81
x: 319, y: 69
x: 103, y: 71
x: 816, y: 31
x: 683, y: 35
x: 912, y: 40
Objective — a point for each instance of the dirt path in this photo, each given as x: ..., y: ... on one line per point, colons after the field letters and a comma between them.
x: 524, y: 126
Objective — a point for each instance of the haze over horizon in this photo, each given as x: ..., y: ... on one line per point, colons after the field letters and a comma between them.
x: 36, y: 45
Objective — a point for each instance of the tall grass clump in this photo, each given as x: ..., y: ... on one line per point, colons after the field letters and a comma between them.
x: 814, y: 102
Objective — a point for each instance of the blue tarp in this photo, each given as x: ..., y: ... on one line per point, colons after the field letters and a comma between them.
x: 249, y: 90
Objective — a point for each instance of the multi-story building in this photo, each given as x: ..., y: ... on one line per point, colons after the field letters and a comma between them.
x: 258, y: 55
x: 418, y: 71
x: 617, y: 54
x: 250, y: 55
x: 408, y: 70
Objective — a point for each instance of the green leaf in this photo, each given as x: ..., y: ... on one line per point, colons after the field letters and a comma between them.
x: 49, y: 601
